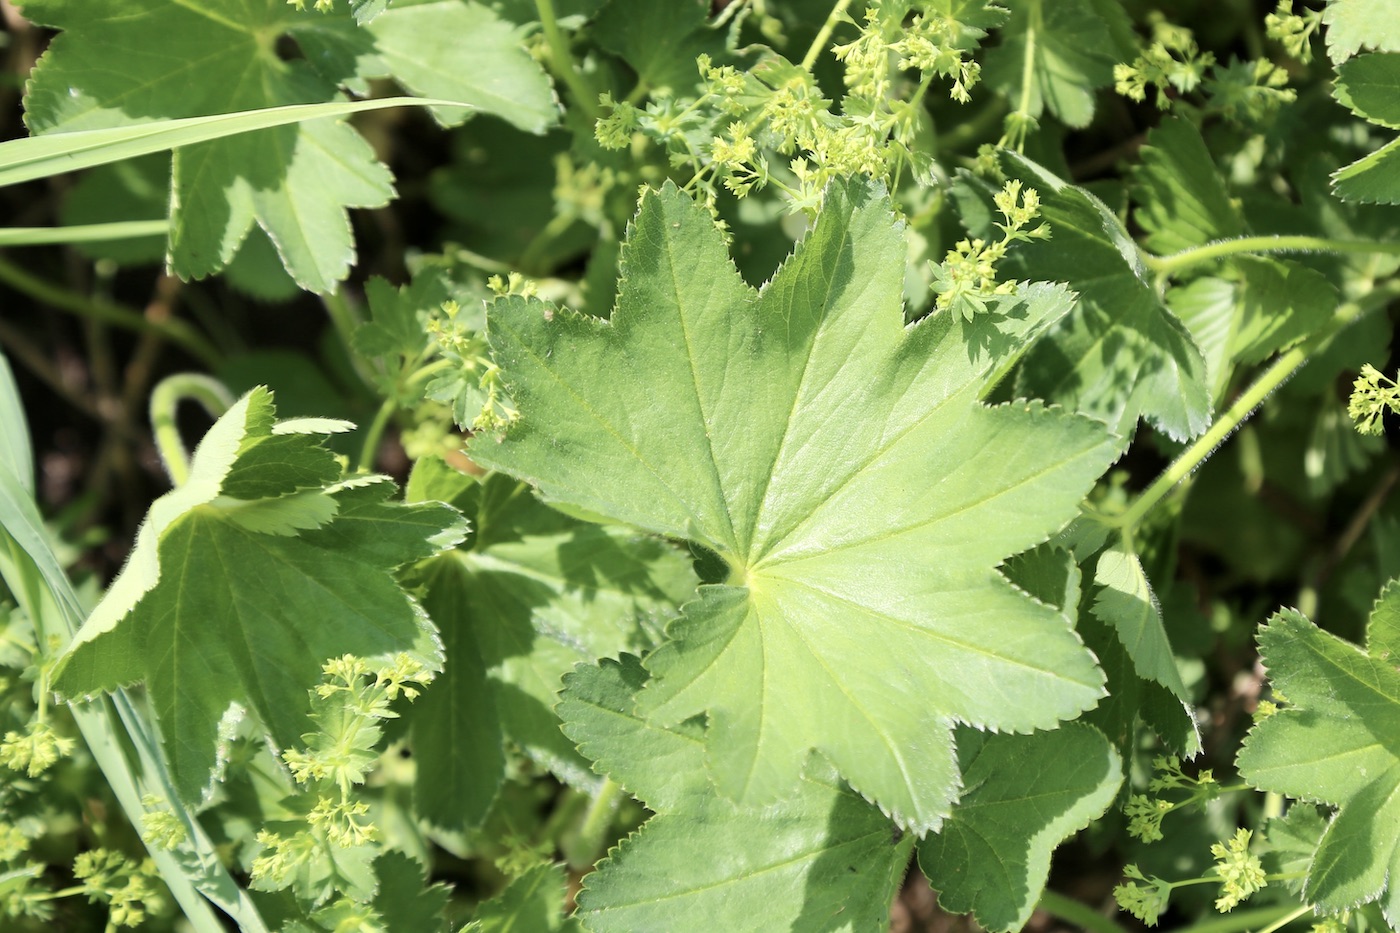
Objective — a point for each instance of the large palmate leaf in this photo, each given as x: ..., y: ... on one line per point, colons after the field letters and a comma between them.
x: 843, y: 467
x: 1121, y: 354
x: 1026, y: 794
x: 1338, y: 742
x: 121, y: 62
x: 821, y: 860
x: 247, y: 578
x: 529, y: 595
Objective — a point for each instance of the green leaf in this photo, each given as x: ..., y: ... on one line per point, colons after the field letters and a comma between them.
x: 114, y: 65
x: 1291, y: 841
x: 246, y: 579
x: 17, y: 453
x: 661, y: 40
x: 403, y: 901
x: 499, y: 192
x: 1126, y: 602
x: 1026, y: 793
x: 1182, y: 201
x: 1373, y: 179
x: 449, y: 49
x: 115, y: 194
x: 533, y: 902
x: 1356, y: 24
x: 1054, y: 54
x: 532, y: 594
x: 1370, y: 86
x: 116, y: 731
x: 1121, y: 353
x: 395, y: 326
x: 1336, y: 743
x: 819, y: 860
x: 1268, y: 306
x: 843, y: 467
x: 1133, y: 700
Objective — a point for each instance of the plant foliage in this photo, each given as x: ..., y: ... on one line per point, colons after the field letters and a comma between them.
x: 777, y: 465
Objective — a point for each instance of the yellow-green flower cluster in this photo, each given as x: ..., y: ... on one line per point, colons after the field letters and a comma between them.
x: 968, y: 274
x: 929, y: 45
x: 1372, y: 395
x: 34, y: 750
x: 1143, y: 897
x: 131, y: 893
x: 1172, y: 61
x: 1241, y: 873
x: 1292, y: 30
x: 161, y: 827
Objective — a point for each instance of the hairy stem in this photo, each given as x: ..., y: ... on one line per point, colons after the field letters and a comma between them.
x: 165, y: 399
x: 373, y: 435
x: 176, y: 331
x: 1241, y: 920
x: 585, y: 98
x: 1169, y: 265
x: 583, y: 850
x: 1276, y: 375
x: 1023, y: 107
x: 818, y: 45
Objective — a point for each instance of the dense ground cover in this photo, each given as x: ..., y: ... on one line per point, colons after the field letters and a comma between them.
x: 615, y: 465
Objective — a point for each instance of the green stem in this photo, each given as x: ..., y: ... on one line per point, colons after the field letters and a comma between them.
x: 1282, y: 369
x: 1168, y: 265
x: 1284, y: 921
x: 1023, y: 107
x: 374, y: 435
x: 585, y: 97
x: 176, y: 331
x: 165, y: 398
x: 82, y: 233
x: 341, y: 314
x: 1246, y: 919
x: 597, y: 823
x: 978, y: 126
x: 1077, y: 913
x: 819, y: 43
x: 530, y: 257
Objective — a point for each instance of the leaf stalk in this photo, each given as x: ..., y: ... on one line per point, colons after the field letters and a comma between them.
x: 585, y: 98
x: 818, y: 45
x: 1077, y: 913
x: 592, y: 836
x: 1251, y: 398
x: 1220, y: 249
x: 165, y: 399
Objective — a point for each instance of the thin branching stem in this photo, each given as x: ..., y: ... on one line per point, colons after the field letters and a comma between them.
x: 1274, y: 376
x: 176, y: 331
x: 818, y: 45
